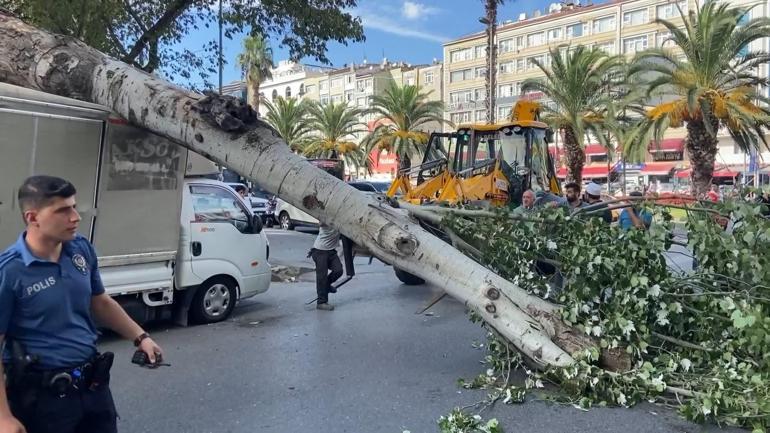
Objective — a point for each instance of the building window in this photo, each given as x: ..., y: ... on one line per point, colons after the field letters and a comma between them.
x: 480, y: 116
x: 542, y: 59
x: 336, y: 98
x: 275, y: 94
x: 663, y: 39
x: 323, y: 86
x: 635, y: 44
x: 520, y: 65
x: 481, y: 51
x: 519, y: 42
x: 461, y: 97
x: 349, y: 79
x: 504, y: 111
x: 635, y: 18
x: 505, y: 46
x: 481, y: 72
x: 607, y: 47
x: 507, y: 67
x: 606, y: 24
x: 669, y: 10
x: 348, y: 96
x: 508, y: 90
x: 301, y: 90
x: 479, y: 95
x: 554, y: 34
x: 410, y: 81
x: 461, y: 75
x: 575, y: 30
x: 324, y: 99
x: 535, y: 39
x: 461, y: 117
x: 337, y: 82
x: 461, y: 55
x: 428, y: 78
x: 360, y: 102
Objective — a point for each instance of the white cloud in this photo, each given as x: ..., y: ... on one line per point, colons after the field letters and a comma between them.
x: 415, y: 11
x: 381, y: 23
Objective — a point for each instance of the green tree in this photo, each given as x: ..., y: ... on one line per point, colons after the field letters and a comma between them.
x: 255, y: 61
x: 289, y: 118
x: 403, y: 112
x: 716, y: 83
x: 147, y: 34
x: 578, y: 82
x: 334, y: 126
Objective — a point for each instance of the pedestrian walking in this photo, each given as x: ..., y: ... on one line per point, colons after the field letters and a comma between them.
x: 328, y: 267
x: 50, y: 294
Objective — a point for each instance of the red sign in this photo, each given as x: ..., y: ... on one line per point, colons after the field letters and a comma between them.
x: 384, y: 162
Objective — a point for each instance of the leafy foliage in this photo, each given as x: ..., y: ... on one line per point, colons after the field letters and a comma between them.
x: 148, y: 34
x: 459, y: 422
x: 698, y: 339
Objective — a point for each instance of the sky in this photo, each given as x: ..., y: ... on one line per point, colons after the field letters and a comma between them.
x: 412, y: 31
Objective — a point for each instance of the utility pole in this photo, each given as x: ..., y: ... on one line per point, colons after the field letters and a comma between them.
x: 220, y: 47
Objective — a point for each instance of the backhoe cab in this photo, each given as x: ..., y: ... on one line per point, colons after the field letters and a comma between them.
x: 483, y: 164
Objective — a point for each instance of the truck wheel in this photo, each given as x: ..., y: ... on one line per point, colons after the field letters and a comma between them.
x: 285, y: 221
x: 407, y: 278
x: 213, y: 301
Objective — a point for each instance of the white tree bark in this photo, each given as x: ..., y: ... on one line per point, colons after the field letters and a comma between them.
x: 36, y: 59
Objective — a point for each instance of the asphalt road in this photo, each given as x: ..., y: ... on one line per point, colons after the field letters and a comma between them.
x: 371, y: 366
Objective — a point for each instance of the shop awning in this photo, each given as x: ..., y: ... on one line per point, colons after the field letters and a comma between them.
x: 667, y: 145
x: 595, y: 149
x: 658, y: 168
x: 682, y: 174
x: 718, y: 172
x: 589, y: 171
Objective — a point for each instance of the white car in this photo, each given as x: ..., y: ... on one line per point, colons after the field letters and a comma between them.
x: 289, y: 216
x: 259, y: 205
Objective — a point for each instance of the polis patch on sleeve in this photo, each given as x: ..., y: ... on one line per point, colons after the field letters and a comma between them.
x: 80, y: 263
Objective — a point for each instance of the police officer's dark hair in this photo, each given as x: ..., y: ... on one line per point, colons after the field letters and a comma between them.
x: 240, y: 188
x: 38, y: 191
x: 573, y: 185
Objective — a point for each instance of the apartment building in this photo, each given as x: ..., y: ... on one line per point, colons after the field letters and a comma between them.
x: 617, y: 27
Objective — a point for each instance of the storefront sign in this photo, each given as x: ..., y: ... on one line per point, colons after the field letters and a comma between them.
x: 667, y: 156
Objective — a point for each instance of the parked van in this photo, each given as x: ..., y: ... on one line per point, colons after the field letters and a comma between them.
x: 168, y: 240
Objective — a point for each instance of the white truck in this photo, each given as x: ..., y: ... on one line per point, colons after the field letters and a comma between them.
x: 169, y: 240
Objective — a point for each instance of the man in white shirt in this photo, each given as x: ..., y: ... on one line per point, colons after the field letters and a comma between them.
x: 328, y: 267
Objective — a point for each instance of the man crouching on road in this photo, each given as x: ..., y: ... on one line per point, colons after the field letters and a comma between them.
x: 50, y: 291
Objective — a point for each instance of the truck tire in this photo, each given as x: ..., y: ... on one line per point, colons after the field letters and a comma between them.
x: 284, y: 220
x: 214, y: 300
x: 407, y: 278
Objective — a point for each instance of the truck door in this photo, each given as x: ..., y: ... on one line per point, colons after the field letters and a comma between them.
x: 221, y: 235
x: 33, y: 143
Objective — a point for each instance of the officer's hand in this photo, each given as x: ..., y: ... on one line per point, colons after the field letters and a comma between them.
x: 149, y: 347
x: 9, y: 424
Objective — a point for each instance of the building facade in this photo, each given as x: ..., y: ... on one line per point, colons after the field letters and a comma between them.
x: 617, y: 27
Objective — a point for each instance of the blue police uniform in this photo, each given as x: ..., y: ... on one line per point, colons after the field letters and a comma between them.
x: 46, y: 307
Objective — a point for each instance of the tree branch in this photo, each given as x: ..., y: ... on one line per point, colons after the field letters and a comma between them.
x: 172, y: 13
x: 132, y: 14
x: 681, y: 343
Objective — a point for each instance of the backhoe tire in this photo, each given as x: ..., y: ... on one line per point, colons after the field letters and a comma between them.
x: 407, y: 278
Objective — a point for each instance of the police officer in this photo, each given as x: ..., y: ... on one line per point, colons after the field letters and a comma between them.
x: 50, y: 292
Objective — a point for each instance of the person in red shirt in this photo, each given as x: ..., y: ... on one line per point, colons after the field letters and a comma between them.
x: 713, y: 194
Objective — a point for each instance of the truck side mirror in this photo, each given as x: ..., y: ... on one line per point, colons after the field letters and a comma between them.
x: 256, y: 224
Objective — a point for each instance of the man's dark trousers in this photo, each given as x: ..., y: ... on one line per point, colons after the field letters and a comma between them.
x: 328, y: 269
x: 77, y: 411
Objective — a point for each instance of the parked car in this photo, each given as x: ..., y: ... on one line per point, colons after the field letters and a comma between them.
x: 259, y: 205
x: 288, y: 217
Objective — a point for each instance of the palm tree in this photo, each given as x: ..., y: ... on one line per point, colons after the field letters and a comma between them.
x: 256, y: 60
x: 578, y: 82
x: 289, y: 118
x: 490, y: 19
x: 715, y: 84
x: 334, y: 126
x: 403, y: 112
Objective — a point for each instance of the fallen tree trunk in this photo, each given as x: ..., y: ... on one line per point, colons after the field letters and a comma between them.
x: 226, y: 131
